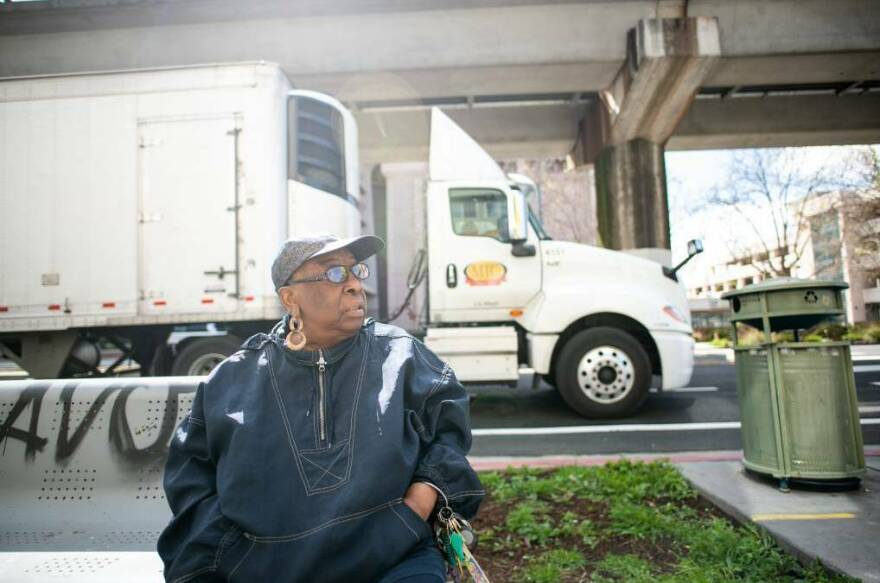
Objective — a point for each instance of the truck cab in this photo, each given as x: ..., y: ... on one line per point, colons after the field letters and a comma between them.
x: 595, y: 323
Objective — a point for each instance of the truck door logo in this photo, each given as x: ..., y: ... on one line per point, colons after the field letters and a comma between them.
x: 485, y: 273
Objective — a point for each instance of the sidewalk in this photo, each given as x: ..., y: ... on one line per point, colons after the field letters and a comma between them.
x: 865, y: 352
x: 841, y: 529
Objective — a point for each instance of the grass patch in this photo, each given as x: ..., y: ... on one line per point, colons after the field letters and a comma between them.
x: 552, y: 566
x: 623, y: 568
x: 625, y: 521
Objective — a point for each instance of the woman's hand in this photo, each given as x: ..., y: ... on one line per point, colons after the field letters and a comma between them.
x: 421, y: 498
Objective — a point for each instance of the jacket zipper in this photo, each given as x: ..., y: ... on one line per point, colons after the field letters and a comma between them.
x: 322, y: 368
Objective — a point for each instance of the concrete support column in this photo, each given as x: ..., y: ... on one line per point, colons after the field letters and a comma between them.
x: 631, y: 196
x: 667, y: 60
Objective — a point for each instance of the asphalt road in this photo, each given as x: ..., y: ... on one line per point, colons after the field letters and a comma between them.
x: 696, y: 411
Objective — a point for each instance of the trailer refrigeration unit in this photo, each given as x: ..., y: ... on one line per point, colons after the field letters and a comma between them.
x: 135, y: 202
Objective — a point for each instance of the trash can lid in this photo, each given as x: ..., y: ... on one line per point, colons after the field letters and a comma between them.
x: 784, y: 283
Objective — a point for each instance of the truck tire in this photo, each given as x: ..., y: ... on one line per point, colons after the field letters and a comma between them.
x: 160, y: 365
x: 603, y: 372
x: 199, y: 357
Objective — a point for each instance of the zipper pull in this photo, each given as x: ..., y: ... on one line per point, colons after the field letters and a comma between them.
x: 322, y: 364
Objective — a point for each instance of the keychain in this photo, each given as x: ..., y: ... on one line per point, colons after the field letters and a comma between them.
x: 454, y: 536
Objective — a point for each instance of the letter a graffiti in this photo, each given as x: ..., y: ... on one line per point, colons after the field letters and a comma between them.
x: 32, y: 396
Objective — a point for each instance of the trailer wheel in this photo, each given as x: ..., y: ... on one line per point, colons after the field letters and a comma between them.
x: 603, y: 372
x: 160, y: 365
x: 200, y: 356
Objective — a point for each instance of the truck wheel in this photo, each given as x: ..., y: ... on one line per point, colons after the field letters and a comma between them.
x: 160, y: 365
x: 603, y: 372
x: 200, y: 356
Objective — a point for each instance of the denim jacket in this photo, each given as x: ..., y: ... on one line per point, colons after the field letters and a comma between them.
x: 292, y: 465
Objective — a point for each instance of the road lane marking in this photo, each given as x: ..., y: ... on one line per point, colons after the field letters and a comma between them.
x: 685, y: 390
x: 878, y: 384
x: 692, y: 390
x: 633, y: 427
x: 823, y: 516
x: 870, y: 409
x: 867, y: 368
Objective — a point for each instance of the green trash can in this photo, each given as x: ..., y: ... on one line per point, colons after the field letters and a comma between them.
x: 797, y: 400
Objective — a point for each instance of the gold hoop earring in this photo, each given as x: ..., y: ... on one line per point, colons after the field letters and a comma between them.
x: 296, y: 338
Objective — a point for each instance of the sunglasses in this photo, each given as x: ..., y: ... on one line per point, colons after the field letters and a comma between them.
x: 337, y: 274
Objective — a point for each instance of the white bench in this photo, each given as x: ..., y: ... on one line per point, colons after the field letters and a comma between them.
x: 81, y: 464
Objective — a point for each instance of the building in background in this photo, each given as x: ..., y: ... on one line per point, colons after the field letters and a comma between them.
x: 843, y: 242
x: 836, y: 239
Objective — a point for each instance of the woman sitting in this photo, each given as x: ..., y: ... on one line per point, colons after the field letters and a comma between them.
x: 319, y: 452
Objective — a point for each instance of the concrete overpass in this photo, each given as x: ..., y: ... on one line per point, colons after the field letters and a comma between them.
x: 610, y: 82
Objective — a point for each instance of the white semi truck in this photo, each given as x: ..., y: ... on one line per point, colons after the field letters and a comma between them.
x: 133, y: 203
x: 595, y: 323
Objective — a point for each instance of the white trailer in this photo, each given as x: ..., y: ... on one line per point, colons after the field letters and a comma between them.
x: 134, y: 202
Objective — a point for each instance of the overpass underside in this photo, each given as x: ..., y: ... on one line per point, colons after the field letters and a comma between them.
x: 547, y: 125
x: 610, y: 83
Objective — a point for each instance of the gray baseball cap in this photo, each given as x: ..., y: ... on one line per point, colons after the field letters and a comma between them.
x: 296, y: 251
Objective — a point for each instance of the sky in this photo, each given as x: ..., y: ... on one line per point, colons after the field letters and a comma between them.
x: 691, y: 177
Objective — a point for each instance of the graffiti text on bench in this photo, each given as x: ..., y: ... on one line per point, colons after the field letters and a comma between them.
x: 69, y: 439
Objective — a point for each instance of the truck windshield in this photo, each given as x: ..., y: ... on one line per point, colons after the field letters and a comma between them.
x: 537, y: 226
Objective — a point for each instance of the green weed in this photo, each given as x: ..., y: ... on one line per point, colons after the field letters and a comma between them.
x: 645, y: 514
x: 549, y: 567
x: 530, y: 522
x: 584, y: 529
x: 641, y: 521
x: 625, y: 479
x: 629, y: 568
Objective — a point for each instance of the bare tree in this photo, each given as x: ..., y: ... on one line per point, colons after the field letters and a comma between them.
x: 860, y: 206
x: 770, y: 190
x: 568, y: 198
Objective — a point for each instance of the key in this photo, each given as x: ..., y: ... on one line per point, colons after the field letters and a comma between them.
x: 453, y: 534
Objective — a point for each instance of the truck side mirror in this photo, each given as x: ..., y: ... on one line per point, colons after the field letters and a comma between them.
x: 695, y: 247
x: 517, y: 217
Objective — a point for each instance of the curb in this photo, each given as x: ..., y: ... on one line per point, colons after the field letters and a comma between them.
x: 743, y: 519
x: 488, y: 463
